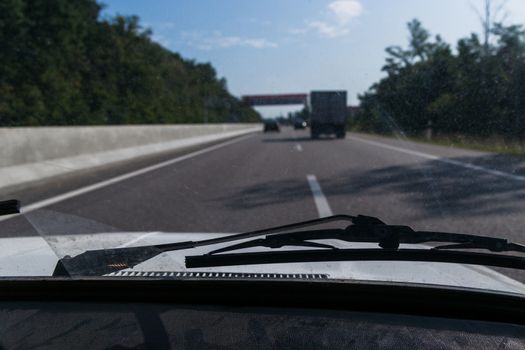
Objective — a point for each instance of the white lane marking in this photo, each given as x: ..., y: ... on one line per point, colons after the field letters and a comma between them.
x: 299, y: 148
x: 138, y: 239
x: 443, y: 160
x: 111, y: 181
x: 323, y: 208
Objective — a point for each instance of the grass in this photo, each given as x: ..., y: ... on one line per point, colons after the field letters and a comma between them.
x: 495, y: 144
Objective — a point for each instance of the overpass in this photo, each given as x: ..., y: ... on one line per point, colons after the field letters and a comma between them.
x: 275, y: 99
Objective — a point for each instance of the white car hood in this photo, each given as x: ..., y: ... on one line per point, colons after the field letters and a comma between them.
x: 36, y: 256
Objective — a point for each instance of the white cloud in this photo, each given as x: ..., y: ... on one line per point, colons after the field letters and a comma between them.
x: 341, y: 13
x: 258, y: 43
x: 328, y: 30
x: 345, y: 10
x: 216, y: 40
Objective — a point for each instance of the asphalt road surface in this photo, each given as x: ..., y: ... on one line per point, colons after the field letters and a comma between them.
x: 263, y: 180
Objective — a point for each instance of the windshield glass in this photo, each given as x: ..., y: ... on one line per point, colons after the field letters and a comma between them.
x: 136, y: 123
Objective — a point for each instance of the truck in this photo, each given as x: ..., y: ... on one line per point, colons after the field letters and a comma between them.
x: 327, y: 113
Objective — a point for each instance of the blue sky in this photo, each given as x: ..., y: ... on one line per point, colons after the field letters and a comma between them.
x: 287, y: 46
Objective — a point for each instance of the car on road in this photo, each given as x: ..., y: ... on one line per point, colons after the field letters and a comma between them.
x: 299, y: 123
x: 271, y: 125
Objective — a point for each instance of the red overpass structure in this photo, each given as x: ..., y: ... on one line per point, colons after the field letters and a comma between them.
x: 271, y: 100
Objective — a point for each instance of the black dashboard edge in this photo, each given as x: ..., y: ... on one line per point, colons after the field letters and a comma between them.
x: 399, y: 298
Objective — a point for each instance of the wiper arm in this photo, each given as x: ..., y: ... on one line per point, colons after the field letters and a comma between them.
x: 104, y: 261
x: 371, y: 230
x: 368, y: 229
x: 299, y: 239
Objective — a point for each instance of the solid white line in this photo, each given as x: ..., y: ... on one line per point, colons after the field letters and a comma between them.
x: 323, y: 208
x: 299, y: 148
x: 111, y: 181
x: 440, y: 159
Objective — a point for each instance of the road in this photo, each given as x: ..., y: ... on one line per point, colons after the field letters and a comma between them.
x: 264, y: 180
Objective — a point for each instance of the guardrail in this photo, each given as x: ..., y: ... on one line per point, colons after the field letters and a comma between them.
x: 35, y: 153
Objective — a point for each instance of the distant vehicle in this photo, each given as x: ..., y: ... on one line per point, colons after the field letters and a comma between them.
x: 299, y: 123
x: 271, y: 125
x: 328, y: 113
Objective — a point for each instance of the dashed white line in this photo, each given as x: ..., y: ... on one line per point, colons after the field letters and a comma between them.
x: 299, y: 148
x: 111, y: 181
x: 440, y: 159
x: 323, y: 208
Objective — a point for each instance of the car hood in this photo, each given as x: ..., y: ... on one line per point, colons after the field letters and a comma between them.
x: 37, y: 256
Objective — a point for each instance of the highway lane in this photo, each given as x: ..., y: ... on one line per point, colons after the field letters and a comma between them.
x: 272, y: 179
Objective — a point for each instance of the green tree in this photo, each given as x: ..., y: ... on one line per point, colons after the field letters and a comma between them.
x: 61, y: 65
x: 477, y: 91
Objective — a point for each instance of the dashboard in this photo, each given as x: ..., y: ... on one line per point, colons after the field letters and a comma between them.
x: 69, y: 325
x: 109, y: 313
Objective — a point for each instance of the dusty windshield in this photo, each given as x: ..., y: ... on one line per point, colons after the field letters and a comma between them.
x: 134, y: 123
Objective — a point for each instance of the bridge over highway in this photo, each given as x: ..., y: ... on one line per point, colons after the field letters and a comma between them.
x: 275, y: 99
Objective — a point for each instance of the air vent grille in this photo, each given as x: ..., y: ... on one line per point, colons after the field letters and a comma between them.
x: 217, y: 275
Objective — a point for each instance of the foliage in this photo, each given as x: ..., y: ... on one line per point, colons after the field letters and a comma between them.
x: 475, y: 90
x: 60, y: 64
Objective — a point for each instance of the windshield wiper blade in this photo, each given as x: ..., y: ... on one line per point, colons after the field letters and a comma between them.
x: 366, y: 229
x: 356, y: 254
x: 370, y: 230
x: 363, y: 229
x: 104, y: 261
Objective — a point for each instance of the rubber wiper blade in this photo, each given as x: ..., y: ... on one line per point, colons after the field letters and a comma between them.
x: 345, y: 255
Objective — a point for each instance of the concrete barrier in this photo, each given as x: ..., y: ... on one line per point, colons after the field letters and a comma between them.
x: 29, y: 154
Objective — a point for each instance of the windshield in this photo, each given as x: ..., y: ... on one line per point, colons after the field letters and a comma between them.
x: 135, y: 123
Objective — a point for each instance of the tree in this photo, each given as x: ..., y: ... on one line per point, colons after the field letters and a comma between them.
x: 492, y: 13
x: 478, y: 91
x: 61, y: 65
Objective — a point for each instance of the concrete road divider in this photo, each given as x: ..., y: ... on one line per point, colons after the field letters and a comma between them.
x: 35, y: 153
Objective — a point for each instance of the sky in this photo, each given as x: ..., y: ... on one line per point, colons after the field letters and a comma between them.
x: 294, y: 46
